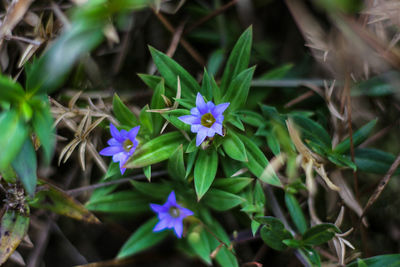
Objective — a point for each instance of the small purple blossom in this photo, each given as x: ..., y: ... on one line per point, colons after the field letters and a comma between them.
x: 171, y: 215
x: 205, y: 119
x: 121, y: 145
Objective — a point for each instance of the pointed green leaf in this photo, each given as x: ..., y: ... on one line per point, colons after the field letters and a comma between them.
x: 205, y: 170
x: 176, y: 165
x: 12, y: 136
x: 123, y: 114
x: 11, y: 91
x: 150, y: 80
x: 170, y: 70
x: 313, y: 131
x: 25, y: 165
x: 157, y: 102
x: 319, y: 234
x: 221, y: 200
x: 234, y: 147
x: 198, y: 241
x: 233, y: 185
x: 142, y: 239
x: 206, y: 89
x: 238, y: 90
x: 388, y: 260
x: 238, y: 60
x: 156, y: 150
x: 295, y: 212
x: 123, y: 202
x: 146, y: 120
x: 43, y: 126
x: 358, y: 137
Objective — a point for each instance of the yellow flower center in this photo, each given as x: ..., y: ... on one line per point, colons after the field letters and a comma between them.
x: 128, y: 144
x: 174, y: 212
x: 207, y: 120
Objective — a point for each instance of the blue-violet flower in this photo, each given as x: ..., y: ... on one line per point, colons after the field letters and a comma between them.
x: 121, y: 145
x: 171, y: 215
x: 205, y: 119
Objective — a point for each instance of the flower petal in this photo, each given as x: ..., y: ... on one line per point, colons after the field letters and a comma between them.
x: 185, y: 212
x: 113, y: 142
x: 217, y: 127
x: 210, y: 132
x: 171, y: 201
x: 219, y: 109
x: 161, y: 225
x: 189, y: 119
x: 210, y: 106
x: 201, y: 135
x: 111, y: 150
x: 178, y: 227
x: 157, y: 208
x: 200, y: 104
x: 195, y: 128
x: 195, y: 112
x: 133, y: 133
x: 115, y: 133
x: 219, y: 119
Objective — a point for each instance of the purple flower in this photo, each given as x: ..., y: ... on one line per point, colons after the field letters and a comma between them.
x: 205, y: 119
x: 121, y: 145
x: 171, y: 215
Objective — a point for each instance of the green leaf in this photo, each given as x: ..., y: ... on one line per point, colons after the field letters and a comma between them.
x: 320, y: 234
x: 274, y: 237
x: 221, y: 200
x: 43, y: 126
x: 358, y: 137
x: 156, y: 150
x: 147, y: 172
x: 373, y: 160
x: 295, y: 212
x: 293, y: 243
x: 191, y: 159
x: 235, y: 121
x: 206, y: 89
x: 25, y: 165
x: 123, y: 202
x: 277, y: 73
x: 151, y: 80
x: 238, y: 59
x: 170, y: 70
x: 52, y: 198
x: 342, y: 161
x: 142, y: 239
x: 205, y: 170
x: 312, y: 256
x: 273, y: 142
x: 234, y: 147
x: 11, y: 91
x: 388, y: 260
x: 233, y: 185
x: 146, y: 120
x: 252, y: 118
x: 158, y: 191
x: 157, y: 102
x: 13, y: 228
x: 198, y: 241
x: 123, y: 114
x: 361, y: 263
x: 312, y: 131
x: 12, y: 136
x: 257, y: 163
x: 238, y: 90
x: 176, y: 165
x: 172, y: 117
x: 215, y: 61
